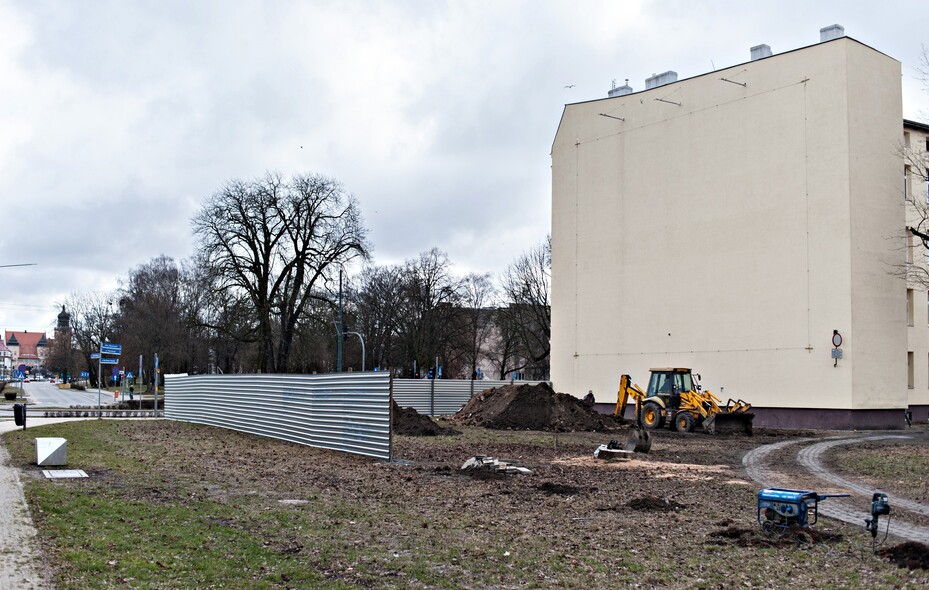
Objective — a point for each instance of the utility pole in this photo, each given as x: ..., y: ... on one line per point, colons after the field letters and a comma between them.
x: 339, y: 343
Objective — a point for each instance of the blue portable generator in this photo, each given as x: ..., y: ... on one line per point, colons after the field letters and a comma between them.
x: 780, y: 509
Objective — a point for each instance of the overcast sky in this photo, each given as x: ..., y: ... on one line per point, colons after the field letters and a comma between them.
x: 117, y: 118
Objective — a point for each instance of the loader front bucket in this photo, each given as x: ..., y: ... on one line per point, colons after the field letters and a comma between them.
x: 639, y: 441
x: 729, y: 423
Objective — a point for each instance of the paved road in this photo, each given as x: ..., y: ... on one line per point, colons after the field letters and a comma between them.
x: 43, y: 394
x: 852, y: 510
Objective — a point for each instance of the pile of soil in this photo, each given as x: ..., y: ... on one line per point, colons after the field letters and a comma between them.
x: 910, y: 555
x: 532, y: 407
x: 409, y: 422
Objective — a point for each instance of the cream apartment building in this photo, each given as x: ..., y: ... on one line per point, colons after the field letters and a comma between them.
x: 736, y: 222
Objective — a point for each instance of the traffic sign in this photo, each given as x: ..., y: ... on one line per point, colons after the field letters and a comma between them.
x: 95, y: 355
x: 129, y: 375
x: 110, y: 348
x: 85, y: 374
x: 107, y: 361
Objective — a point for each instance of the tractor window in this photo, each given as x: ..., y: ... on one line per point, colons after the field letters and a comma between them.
x: 660, y: 383
x: 683, y: 382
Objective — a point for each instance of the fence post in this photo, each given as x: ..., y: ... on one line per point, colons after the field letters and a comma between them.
x: 432, y: 396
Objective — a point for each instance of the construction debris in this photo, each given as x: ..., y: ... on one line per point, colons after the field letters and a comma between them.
x: 492, y: 465
x: 612, y: 451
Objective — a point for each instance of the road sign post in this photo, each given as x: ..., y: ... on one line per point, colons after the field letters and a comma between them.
x: 113, y: 350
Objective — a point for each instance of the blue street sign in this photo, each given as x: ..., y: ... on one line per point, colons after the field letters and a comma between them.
x: 19, y: 375
x: 95, y: 355
x: 129, y: 375
x: 106, y: 361
x: 85, y: 374
x: 109, y: 348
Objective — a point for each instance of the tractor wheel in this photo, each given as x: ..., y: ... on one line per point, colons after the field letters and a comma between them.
x: 684, y: 421
x: 651, y: 416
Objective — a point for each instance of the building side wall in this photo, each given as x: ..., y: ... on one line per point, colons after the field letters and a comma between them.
x: 878, y: 338
x: 713, y: 233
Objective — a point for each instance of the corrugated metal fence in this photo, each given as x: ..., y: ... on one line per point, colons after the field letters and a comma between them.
x: 347, y: 412
x: 442, y: 397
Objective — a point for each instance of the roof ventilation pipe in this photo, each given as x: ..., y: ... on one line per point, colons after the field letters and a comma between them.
x: 661, y: 79
x: 831, y: 32
x: 760, y: 51
x: 621, y: 91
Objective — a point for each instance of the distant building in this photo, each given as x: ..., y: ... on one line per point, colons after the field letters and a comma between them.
x: 28, y: 349
x: 737, y: 222
x: 6, y: 361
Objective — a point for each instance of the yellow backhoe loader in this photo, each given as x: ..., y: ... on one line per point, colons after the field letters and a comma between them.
x: 675, y: 397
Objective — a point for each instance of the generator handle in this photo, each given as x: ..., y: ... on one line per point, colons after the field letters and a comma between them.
x: 824, y: 496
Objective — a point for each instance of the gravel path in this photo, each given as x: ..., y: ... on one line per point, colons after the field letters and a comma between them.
x: 850, y: 510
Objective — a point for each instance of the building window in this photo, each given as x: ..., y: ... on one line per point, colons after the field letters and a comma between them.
x: 906, y: 139
x: 908, y: 248
x: 909, y: 307
x: 906, y: 182
x: 909, y: 370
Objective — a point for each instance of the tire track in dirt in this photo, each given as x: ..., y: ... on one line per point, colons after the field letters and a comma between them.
x: 759, y: 468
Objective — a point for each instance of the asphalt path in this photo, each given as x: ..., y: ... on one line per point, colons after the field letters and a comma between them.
x: 42, y: 394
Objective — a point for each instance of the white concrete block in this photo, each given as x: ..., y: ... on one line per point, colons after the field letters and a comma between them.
x: 51, y: 451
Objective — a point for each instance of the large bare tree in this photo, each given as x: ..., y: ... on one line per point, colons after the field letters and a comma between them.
x: 274, y: 241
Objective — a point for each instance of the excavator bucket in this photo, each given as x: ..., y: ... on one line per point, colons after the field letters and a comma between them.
x: 639, y: 440
x: 729, y: 422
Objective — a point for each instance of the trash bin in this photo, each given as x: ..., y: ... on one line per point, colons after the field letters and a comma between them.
x: 19, y: 414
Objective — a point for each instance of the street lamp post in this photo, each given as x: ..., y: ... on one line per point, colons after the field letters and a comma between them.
x: 362, y: 340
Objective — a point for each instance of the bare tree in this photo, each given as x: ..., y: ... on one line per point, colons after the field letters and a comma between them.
x: 92, y: 321
x: 525, y: 317
x: 916, y: 165
x: 477, y: 311
x: 151, y: 315
x: 377, y: 300
x: 427, y: 319
x: 273, y: 242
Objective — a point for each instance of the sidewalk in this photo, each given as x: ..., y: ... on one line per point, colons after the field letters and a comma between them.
x: 20, y: 557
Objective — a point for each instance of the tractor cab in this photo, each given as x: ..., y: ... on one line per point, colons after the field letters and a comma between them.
x: 668, y: 384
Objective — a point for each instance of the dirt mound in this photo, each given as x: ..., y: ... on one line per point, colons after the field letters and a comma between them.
x: 909, y: 555
x: 531, y: 407
x: 653, y: 504
x: 409, y: 422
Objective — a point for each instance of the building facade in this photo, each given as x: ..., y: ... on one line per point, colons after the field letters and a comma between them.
x: 28, y: 350
x: 737, y: 222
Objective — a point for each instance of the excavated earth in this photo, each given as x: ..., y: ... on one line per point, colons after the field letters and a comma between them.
x: 532, y: 407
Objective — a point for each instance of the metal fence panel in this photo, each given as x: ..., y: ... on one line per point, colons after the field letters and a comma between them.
x: 347, y: 412
x: 442, y: 397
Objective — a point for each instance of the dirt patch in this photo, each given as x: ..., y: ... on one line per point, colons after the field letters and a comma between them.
x: 792, y: 537
x: 653, y: 504
x: 558, y: 489
x: 409, y: 422
x: 532, y: 407
x: 910, y: 555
